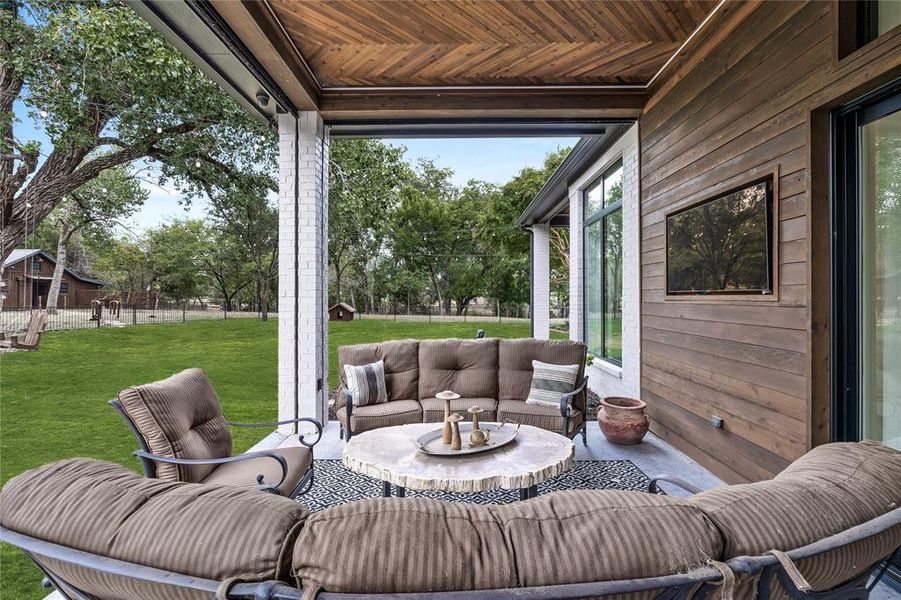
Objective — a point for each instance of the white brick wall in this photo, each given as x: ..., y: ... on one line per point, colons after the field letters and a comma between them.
x: 303, y: 215
x: 541, y: 275
x: 606, y: 379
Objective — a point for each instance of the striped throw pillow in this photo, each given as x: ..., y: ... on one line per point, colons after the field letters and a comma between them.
x: 366, y: 383
x: 550, y: 382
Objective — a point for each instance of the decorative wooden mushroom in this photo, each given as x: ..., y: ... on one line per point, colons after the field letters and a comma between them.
x: 447, y: 396
x: 477, y: 437
x: 454, y: 420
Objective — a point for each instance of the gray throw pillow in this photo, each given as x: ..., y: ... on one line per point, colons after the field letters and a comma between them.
x: 366, y: 383
x: 550, y: 382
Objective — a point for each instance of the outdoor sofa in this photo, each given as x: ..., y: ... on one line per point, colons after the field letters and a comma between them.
x: 494, y: 374
x: 99, y: 531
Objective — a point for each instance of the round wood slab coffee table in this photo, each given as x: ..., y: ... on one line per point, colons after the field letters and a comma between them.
x: 389, y: 454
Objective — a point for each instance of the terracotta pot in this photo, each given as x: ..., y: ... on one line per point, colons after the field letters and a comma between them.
x: 623, y: 420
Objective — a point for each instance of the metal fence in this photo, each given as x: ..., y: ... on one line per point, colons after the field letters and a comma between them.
x: 123, y: 316
x: 474, y: 313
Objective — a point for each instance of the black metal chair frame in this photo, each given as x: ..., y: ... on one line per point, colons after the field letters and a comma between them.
x: 698, y: 583
x: 150, y: 460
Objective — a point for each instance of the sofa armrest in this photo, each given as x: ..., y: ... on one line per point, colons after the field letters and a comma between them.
x: 566, y: 400
x: 261, y: 483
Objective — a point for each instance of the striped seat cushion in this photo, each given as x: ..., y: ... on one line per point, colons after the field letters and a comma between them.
x: 536, y: 415
x: 200, y: 530
x: 366, y: 383
x: 828, y: 490
x: 550, y: 382
x: 387, y: 414
x: 417, y: 545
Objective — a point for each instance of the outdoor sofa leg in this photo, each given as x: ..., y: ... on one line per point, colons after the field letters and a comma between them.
x: 386, y: 489
x: 584, y: 432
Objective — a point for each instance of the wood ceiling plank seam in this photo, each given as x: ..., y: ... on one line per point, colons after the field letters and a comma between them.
x: 319, y: 27
x: 655, y: 16
x: 635, y: 29
x: 580, y: 12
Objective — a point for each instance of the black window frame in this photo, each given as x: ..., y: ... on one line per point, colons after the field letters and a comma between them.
x: 587, y: 221
x: 844, y: 253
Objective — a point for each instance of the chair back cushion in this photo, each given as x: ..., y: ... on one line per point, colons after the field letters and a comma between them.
x: 211, y: 532
x: 828, y: 490
x: 415, y: 545
x: 180, y: 417
x: 515, y: 363
x: 467, y: 367
x: 401, y: 360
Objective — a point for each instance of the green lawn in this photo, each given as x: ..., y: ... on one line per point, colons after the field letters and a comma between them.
x: 53, y: 402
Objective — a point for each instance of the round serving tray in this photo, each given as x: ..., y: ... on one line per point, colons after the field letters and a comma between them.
x: 501, y: 435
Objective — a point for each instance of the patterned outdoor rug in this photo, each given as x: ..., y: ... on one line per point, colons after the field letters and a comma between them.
x: 336, y: 484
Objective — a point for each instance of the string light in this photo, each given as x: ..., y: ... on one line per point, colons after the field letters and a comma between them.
x: 197, y: 164
x: 43, y: 114
x: 104, y: 190
x: 159, y: 130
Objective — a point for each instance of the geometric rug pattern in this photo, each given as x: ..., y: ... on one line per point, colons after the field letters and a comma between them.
x: 335, y: 484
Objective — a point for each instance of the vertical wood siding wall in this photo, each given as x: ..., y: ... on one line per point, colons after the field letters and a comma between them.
x: 741, y: 102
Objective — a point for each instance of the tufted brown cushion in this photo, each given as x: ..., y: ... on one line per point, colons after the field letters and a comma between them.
x: 564, y: 537
x: 199, y: 530
x: 180, y: 417
x: 387, y: 414
x: 515, y: 364
x: 467, y: 367
x: 433, y: 409
x: 828, y: 490
x: 401, y: 366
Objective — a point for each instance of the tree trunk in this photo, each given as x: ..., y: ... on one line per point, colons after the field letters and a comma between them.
x: 65, y: 231
x: 264, y: 300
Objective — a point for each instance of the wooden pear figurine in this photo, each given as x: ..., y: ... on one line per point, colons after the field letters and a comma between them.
x: 454, y: 420
x: 477, y: 437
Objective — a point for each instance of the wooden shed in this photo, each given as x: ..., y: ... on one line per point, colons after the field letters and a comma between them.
x: 28, y: 273
x: 341, y: 312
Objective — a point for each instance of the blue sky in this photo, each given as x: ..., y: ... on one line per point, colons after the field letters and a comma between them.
x: 494, y: 160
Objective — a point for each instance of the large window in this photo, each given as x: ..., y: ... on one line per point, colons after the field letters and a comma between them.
x: 603, y: 235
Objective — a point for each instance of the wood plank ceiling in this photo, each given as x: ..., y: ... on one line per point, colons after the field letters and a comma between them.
x: 371, y: 43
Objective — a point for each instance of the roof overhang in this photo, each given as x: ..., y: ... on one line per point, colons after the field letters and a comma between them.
x: 554, y: 195
x: 246, y: 48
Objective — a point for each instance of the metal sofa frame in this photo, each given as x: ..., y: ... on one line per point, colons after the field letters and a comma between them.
x: 150, y: 460
x: 698, y: 583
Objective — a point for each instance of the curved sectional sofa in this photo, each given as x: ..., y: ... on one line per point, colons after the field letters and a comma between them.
x: 100, y: 531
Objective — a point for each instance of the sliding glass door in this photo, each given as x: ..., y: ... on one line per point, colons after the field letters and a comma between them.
x: 867, y: 272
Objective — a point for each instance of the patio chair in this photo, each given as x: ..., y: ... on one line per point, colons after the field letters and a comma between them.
x: 32, y: 338
x: 183, y: 436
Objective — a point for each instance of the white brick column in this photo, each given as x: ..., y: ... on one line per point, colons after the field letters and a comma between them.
x: 541, y: 281
x: 303, y: 281
x: 576, y: 265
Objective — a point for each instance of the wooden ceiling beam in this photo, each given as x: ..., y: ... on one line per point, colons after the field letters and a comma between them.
x: 474, y: 103
x: 254, y: 24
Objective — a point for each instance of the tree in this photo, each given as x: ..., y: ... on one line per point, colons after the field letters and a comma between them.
x: 227, y: 265
x: 247, y: 213
x: 108, y: 90
x: 365, y: 177
x: 177, y: 250
x: 97, y: 205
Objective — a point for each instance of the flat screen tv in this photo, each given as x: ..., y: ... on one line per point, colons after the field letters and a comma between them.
x: 723, y: 245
